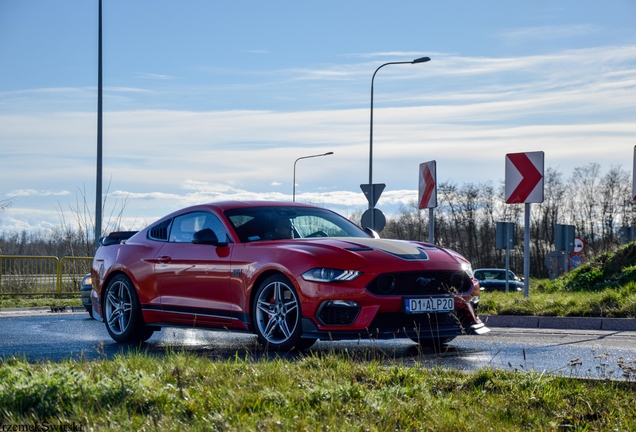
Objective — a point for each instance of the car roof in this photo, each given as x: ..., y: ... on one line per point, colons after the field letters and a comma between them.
x: 491, y: 269
x: 221, y: 206
x: 227, y: 205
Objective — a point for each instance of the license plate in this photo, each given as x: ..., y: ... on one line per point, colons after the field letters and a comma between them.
x: 431, y: 304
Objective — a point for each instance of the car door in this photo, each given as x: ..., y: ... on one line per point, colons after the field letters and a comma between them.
x: 193, y: 280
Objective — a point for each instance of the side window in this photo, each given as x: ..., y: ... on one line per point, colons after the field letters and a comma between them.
x: 184, y: 226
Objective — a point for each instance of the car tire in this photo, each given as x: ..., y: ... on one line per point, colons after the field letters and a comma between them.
x: 304, y: 343
x: 277, y: 315
x: 122, y: 312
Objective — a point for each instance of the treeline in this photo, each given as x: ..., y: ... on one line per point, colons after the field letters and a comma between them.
x: 597, y: 204
x: 465, y: 220
x: 72, y: 238
x: 57, y: 242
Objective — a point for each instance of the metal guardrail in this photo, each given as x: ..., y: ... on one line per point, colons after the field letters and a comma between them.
x: 29, y: 274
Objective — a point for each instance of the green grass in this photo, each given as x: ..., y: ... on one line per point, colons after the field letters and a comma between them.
x: 16, y: 301
x: 609, y: 303
x: 604, y: 287
x: 611, y: 270
x: 331, y: 392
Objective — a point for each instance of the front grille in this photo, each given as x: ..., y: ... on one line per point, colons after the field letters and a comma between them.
x: 337, y: 315
x: 424, y: 323
x: 420, y: 283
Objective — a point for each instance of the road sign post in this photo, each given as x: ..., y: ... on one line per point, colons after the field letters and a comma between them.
x: 505, y: 239
x: 427, y: 193
x: 524, y: 184
x: 564, y: 240
x: 627, y: 234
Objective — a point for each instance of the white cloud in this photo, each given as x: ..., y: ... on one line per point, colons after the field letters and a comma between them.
x: 34, y: 192
x: 154, y: 76
x: 549, y: 32
x: 576, y: 105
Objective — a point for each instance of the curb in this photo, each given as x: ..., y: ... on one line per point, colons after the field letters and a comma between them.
x: 505, y: 321
x: 562, y: 323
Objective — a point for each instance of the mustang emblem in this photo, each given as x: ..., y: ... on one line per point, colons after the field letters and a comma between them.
x: 422, y: 281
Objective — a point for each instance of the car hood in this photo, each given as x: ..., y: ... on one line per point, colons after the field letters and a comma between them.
x: 358, y: 252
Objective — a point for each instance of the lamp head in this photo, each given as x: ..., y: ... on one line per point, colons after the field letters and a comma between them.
x: 421, y: 60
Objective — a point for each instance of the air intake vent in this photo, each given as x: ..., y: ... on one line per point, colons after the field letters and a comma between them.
x: 420, y: 283
x: 160, y: 231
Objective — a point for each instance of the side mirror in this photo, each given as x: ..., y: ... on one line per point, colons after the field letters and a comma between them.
x: 207, y: 236
x: 371, y: 233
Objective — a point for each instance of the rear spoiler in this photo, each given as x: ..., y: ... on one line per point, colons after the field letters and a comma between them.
x: 116, y: 237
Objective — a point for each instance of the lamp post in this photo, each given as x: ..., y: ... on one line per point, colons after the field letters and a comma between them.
x: 372, y: 191
x: 98, y: 182
x: 304, y: 157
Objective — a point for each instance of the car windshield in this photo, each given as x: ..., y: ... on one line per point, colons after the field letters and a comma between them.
x: 493, y: 275
x: 274, y: 223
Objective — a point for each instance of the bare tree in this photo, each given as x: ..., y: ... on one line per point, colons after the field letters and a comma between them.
x: 465, y: 219
x: 583, y: 203
x: 614, y: 187
x: 4, y: 204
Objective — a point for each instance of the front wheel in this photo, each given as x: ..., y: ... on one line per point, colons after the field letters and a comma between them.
x: 277, y: 315
x: 122, y: 312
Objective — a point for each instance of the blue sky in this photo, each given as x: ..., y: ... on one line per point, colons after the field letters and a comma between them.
x: 208, y: 100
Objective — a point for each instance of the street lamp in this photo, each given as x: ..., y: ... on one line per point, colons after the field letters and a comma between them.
x: 98, y: 181
x: 372, y: 191
x: 304, y: 157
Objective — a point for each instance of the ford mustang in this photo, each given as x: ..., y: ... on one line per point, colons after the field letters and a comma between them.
x: 290, y: 273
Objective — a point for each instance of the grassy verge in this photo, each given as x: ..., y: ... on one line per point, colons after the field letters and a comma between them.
x: 610, y: 303
x: 604, y: 287
x: 332, y: 392
x: 7, y: 301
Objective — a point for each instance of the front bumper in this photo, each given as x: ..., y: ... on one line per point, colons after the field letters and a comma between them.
x: 401, y: 325
x: 85, y: 293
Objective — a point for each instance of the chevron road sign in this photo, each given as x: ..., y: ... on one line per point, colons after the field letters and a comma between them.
x: 524, y: 177
x: 427, y: 191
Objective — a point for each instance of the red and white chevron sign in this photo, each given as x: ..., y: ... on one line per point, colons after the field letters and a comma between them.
x: 524, y: 177
x: 428, y: 185
x: 634, y: 175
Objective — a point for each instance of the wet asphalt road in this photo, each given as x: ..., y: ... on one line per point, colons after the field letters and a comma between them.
x: 48, y: 336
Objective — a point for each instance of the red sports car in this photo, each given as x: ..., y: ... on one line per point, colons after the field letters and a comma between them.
x: 291, y: 273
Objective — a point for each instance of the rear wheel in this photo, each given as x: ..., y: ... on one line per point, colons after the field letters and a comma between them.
x: 277, y: 315
x: 122, y: 312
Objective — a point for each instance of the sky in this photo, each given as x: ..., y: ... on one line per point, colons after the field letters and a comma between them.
x: 214, y: 100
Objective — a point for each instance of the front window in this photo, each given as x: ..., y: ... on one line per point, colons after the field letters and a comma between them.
x: 274, y: 223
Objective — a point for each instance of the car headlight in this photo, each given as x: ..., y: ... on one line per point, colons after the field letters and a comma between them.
x: 468, y: 269
x: 330, y: 275
x: 87, y: 280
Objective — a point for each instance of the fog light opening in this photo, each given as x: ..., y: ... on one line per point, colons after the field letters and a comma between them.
x: 342, y: 303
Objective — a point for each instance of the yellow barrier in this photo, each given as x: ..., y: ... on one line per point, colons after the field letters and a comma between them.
x: 28, y: 274
x: 71, y: 271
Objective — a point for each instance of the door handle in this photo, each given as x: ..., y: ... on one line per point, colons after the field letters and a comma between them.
x: 164, y: 259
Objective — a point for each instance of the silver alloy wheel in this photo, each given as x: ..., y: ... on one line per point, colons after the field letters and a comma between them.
x: 277, y: 312
x: 118, y: 307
